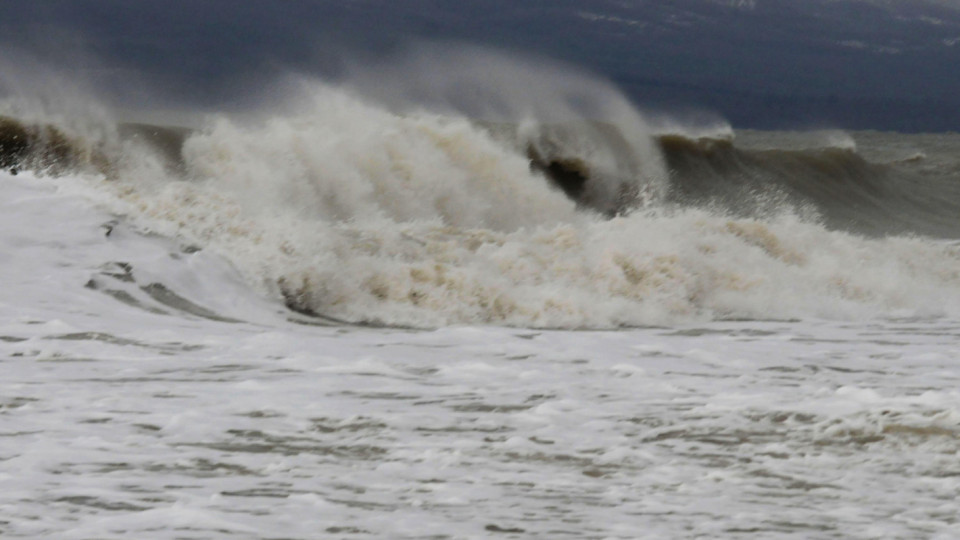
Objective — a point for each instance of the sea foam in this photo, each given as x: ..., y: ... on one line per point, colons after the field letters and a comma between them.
x: 354, y: 212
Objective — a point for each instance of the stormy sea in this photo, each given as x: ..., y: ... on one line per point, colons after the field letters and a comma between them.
x: 509, y: 305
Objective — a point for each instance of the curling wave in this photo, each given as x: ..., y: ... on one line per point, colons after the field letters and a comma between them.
x: 352, y: 212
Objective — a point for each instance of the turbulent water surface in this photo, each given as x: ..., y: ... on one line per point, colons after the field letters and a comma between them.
x: 343, y: 319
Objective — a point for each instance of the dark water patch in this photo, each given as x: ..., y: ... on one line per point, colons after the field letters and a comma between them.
x: 782, y: 369
x: 921, y: 431
x: 128, y: 411
x: 45, y: 148
x: 884, y: 356
x: 820, y: 431
x: 490, y: 408
x: 115, y: 340
x: 51, y: 149
x: 262, y: 414
x: 165, y: 296
x: 561, y: 154
x: 698, y: 332
x: 96, y: 336
x: 718, y: 437
x: 269, y: 493
x: 365, y: 505
x: 147, y: 379
x: 12, y: 339
x: 422, y: 371
x: 15, y: 402
x: 100, y: 504
x: 653, y: 421
x: 59, y: 358
x: 226, y: 368
x: 559, y: 459
x: 778, y: 527
x: 18, y: 433
x: 152, y: 428
x: 316, y: 320
x: 817, y: 340
x: 165, y: 141
x: 657, y: 354
x: 783, y: 417
x: 381, y: 395
x: 429, y: 402
x: 359, y: 424
x: 793, y: 526
x: 697, y: 375
x: 570, y: 175
x: 121, y: 271
x: 303, y: 300
x: 840, y: 369
x: 887, y: 343
x: 790, y: 483
x: 97, y: 468
x: 503, y: 529
x: 952, y: 333
x: 466, y: 429
x: 123, y: 297
x: 259, y: 442
x: 109, y: 226
x: 351, y: 488
x: 346, y: 530
x: 418, y: 345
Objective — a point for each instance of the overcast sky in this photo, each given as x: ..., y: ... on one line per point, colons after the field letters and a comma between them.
x: 761, y: 63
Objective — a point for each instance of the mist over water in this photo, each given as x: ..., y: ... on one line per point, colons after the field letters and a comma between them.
x: 543, y: 107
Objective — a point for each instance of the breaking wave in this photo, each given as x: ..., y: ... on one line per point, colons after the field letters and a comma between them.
x: 356, y: 212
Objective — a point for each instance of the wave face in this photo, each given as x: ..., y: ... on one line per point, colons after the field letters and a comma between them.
x: 355, y: 212
x: 902, y: 192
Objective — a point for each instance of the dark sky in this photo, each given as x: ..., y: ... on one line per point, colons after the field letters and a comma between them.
x: 760, y: 63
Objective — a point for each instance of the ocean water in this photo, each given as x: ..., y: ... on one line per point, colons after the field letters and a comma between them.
x: 345, y: 318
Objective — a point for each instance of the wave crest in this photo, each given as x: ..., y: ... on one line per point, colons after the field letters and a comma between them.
x: 362, y: 213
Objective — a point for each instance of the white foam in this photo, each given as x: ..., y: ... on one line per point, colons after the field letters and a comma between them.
x: 125, y: 422
x: 367, y: 215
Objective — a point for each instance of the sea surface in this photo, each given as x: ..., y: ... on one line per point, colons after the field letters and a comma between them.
x: 348, y: 318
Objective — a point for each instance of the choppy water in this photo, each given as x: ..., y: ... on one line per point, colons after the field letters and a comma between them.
x: 343, y: 317
x: 142, y: 414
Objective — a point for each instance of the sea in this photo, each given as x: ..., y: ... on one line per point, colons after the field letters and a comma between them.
x: 342, y: 314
